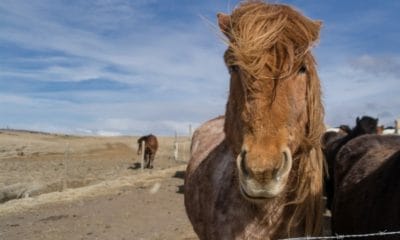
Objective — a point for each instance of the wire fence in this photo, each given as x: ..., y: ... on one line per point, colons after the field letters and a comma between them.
x: 367, y: 235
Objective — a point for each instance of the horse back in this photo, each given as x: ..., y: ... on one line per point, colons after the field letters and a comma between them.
x: 368, y: 186
x: 205, y: 139
x: 363, y: 155
x: 152, y: 143
x: 207, y: 151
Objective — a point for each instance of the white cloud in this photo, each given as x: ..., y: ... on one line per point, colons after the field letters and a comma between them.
x: 158, y: 57
x: 367, y: 85
x: 7, y: 99
x: 177, y: 69
x: 380, y: 66
x: 107, y: 133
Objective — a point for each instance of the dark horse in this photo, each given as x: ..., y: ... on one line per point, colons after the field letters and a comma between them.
x: 367, y: 186
x: 150, y: 149
x: 332, y: 142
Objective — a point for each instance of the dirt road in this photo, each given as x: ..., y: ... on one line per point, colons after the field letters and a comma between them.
x: 149, y: 206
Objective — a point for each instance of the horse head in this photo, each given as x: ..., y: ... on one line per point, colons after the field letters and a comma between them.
x: 274, y: 109
x: 365, y: 125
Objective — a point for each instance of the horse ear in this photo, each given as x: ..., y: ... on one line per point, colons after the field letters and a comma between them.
x: 224, y: 22
x: 357, y: 120
x: 318, y: 25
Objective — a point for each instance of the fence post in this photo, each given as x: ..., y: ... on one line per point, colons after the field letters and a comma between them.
x: 143, y: 145
x: 176, y: 150
x: 397, y: 126
x: 190, y: 131
x: 66, y: 159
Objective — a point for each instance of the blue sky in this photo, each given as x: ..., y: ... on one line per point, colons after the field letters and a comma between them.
x: 133, y: 67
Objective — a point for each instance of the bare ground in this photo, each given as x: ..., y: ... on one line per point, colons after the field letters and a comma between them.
x: 70, y: 187
x: 84, y: 188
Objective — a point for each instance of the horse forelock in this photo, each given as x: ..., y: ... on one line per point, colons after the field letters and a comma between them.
x: 269, y: 36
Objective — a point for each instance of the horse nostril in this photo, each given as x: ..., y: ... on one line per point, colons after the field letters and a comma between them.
x: 243, y: 165
x: 285, y: 165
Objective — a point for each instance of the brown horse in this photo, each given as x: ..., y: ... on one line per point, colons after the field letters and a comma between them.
x: 261, y: 177
x: 332, y: 142
x: 213, y: 131
x: 367, y: 186
x: 150, y: 149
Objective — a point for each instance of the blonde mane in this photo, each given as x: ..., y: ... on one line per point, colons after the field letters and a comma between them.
x: 270, y: 36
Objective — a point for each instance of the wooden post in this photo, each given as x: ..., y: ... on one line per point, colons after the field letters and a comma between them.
x: 176, y: 151
x: 66, y: 159
x: 397, y: 126
x: 143, y: 145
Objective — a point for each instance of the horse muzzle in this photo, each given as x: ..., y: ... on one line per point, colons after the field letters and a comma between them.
x: 263, y: 183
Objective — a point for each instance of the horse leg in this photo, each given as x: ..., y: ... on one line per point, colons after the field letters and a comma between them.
x: 147, y: 160
x: 152, y: 155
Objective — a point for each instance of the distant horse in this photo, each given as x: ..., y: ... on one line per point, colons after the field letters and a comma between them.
x: 261, y: 177
x: 367, y: 186
x: 365, y: 125
x: 151, y: 146
x: 332, y: 142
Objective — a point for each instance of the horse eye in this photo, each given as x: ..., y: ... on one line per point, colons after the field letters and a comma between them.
x: 302, y: 69
x: 233, y: 68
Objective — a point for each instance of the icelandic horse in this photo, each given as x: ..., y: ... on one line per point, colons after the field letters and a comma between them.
x: 257, y: 173
x: 150, y: 149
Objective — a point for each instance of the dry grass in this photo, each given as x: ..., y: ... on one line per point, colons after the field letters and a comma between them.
x: 108, y: 187
x: 36, y: 163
